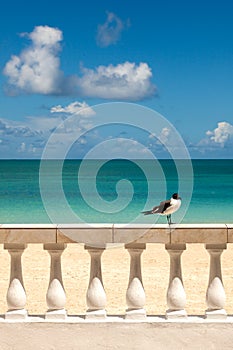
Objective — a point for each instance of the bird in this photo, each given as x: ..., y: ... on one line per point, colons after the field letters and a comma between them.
x: 166, y: 207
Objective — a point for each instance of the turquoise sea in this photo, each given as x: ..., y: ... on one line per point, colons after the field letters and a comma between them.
x: 115, y: 191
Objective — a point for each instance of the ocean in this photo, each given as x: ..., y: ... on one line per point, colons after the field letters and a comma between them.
x: 114, y: 191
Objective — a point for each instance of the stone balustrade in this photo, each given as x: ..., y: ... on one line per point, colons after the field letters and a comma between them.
x: 96, y: 239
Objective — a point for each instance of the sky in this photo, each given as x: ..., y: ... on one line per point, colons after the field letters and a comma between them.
x: 58, y: 60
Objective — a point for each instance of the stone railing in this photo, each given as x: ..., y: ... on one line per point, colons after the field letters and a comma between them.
x: 98, y: 237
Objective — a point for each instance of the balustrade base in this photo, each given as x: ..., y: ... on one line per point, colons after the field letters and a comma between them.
x: 172, y: 314
x: 135, y: 314
x: 21, y: 314
x: 216, y: 314
x: 95, y: 314
x: 56, y: 314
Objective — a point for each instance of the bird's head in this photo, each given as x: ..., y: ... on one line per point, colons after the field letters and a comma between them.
x: 176, y: 196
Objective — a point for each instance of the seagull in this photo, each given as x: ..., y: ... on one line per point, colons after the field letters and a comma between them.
x: 167, y: 207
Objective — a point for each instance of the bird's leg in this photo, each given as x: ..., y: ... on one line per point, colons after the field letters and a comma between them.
x: 169, y: 219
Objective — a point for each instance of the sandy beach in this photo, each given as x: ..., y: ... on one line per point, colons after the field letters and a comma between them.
x: 115, y: 269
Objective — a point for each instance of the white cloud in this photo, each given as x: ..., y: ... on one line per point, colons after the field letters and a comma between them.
x: 29, y: 149
x: 218, y: 143
x: 221, y: 135
x: 114, y: 148
x: 8, y: 128
x: 126, y: 81
x: 165, y: 138
x: 165, y: 135
x: 46, y: 36
x: 22, y: 147
x: 80, y: 110
x: 43, y: 124
x: 110, y: 32
x: 36, y: 69
x: 74, y: 108
x: 20, y: 138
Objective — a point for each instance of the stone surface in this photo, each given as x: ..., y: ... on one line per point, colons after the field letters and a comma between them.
x: 56, y: 314
x: 215, y: 295
x: 141, y: 233
x: 16, y: 315
x: 96, y: 235
x: 16, y: 295
x: 199, y: 233
x: 138, y: 314
x: 230, y: 233
x: 23, y: 233
x: 96, y: 296
x: 56, y: 296
x: 135, y: 294
x: 119, y: 335
x: 176, y: 297
x: 216, y: 314
x: 175, y: 314
x: 100, y: 234
x: 96, y: 315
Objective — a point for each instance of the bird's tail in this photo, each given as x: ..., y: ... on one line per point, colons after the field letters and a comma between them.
x: 148, y: 212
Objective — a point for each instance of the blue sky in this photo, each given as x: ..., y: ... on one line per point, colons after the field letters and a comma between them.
x: 58, y: 58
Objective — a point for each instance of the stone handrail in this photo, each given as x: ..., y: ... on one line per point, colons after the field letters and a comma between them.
x: 98, y: 237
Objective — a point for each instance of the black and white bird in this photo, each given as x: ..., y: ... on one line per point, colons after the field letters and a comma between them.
x: 167, y: 207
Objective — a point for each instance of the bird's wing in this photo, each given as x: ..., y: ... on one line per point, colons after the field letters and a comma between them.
x: 162, y: 207
x: 155, y: 210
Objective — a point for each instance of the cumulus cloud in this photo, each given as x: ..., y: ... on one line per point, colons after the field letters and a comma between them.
x: 165, y: 135
x: 113, y: 148
x: 74, y: 108
x: 126, y: 81
x: 7, y: 128
x: 164, y: 142
x: 28, y: 138
x: 218, y: 143
x: 110, y: 32
x: 221, y: 135
x: 37, y: 68
x: 82, y: 113
x: 43, y: 124
x: 20, y: 138
x: 22, y: 147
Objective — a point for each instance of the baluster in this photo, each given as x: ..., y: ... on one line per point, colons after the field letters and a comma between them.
x: 16, y: 296
x: 135, y: 295
x: 96, y: 296
x: 215, y: 294
x: 176, y: 297
x: 55, y: 297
